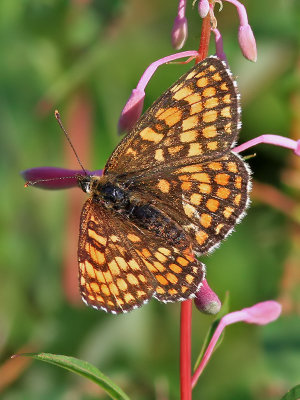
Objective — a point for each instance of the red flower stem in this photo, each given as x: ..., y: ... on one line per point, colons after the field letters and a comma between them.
x: 204, y: 39
x: 185, y: 350
x: 186, y: 306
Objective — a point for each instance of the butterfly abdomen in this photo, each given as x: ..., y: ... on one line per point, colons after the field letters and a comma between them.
x: 148, y: 217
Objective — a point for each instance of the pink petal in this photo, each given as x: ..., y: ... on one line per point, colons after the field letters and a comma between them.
x: 276, y: 140
x: 247, y: 42
x: 262, y: 313
x: 179, y: 32
x: 54, y: 178
x: 219, y: 45
x: 245, y: 35
x: 241, y: 11
x: 133, y: 108
x: 132, y: 111
x: 297, y: 149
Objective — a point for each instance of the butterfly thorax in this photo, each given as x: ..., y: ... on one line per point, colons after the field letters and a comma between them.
x: 119, y: 197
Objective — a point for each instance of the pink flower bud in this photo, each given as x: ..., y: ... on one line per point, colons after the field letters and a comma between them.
x: 245, y: 35
x: 203, y: 8
x: 206, y: 300
x: 179, y: 32
x: 132, y: 111
x: 247, y: 42
x: 54, y: 178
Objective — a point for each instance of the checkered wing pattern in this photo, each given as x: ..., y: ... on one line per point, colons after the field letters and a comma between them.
x: 176, y: 164
x: 121, y: 267
x: 206, y: 200
x: 196, y: 119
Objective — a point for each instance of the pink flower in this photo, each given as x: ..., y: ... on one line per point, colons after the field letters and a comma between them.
x: 54, y: 178
x: 245, y: 35
x: 260, y: 314
x: 134, y: 106
x: 179, y: 32
x: 180, y: 27
x: 203, y: 8
x: 247, y: 42
x: 219, y: 45
x: 275, y: 140
x: 132, y: 111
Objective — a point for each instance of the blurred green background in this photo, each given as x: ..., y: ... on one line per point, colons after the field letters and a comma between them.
x: 84, y: 58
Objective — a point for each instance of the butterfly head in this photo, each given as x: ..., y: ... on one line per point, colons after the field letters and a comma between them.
x: 84, y: 182
x: 103, y: 190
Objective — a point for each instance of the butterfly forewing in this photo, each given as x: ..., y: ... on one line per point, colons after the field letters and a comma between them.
x: 121, y: 267
x: 196, y: 119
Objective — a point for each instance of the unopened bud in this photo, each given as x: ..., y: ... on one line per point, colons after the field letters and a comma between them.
x: 206, y: 300
x: 203, y: 8
x: 132, y: 111
x: 247, y: 42
x: 179, y: 32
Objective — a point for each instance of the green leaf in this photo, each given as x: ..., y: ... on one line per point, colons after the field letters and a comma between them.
x: 84, y: 369
x: 225, y: 306
x: 293, y: 394
x: 224, y: 310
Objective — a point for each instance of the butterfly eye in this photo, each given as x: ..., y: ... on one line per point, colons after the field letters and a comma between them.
x: 84, y: 183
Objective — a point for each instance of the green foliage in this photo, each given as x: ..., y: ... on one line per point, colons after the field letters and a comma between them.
x: 84, y: 369
x: 293, y: 394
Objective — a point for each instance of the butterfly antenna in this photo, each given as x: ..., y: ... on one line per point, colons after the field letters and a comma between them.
x: 57, y: 116
x: 31, y: 183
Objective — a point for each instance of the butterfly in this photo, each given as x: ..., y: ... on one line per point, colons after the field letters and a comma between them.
x: 171, y: 191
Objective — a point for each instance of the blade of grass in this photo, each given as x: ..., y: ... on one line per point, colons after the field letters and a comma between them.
x: 82, y: 368
x: 293, y: 394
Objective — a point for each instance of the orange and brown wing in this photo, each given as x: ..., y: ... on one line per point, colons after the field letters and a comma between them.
x: 196, y: 119
x: 121, y: 267
x: 207, y: 200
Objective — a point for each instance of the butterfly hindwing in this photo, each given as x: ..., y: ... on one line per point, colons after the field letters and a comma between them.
x: 121, y: 267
